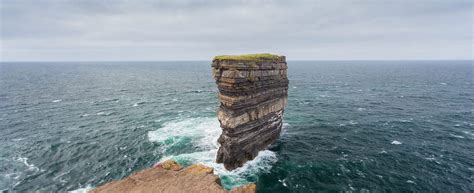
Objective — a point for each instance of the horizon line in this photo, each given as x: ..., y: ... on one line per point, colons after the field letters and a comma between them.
x: 195, y: 60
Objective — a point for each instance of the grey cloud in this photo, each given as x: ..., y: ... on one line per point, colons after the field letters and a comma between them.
x: 198, y: 29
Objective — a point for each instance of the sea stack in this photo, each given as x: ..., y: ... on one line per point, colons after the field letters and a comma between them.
x: 253, y: 91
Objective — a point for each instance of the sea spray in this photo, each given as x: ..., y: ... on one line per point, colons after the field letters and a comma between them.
x: 201, y: 135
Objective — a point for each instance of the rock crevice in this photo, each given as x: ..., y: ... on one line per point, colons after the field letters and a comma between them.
x: 252, y: 93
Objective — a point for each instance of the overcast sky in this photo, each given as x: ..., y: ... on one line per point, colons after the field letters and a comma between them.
x: 117, y: 30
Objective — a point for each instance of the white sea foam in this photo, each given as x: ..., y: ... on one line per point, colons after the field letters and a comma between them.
x: 395, y: 142
x: 204, y: 133
x: 433, y: 159
x: 406, y: 120
x: 24, y: 160
x: 139, y: 103
x: 430, y: 158
x: 18, y: 139
x: 352, y: 122
x: 85, y: 115
x: 469, y: 133
x: 104, y: 113
x: 457, y: 136
x: 283, y: 182
x: 284, y: 129
x: 201, y: 130
x: 82, y: 190
x: 57, y: 101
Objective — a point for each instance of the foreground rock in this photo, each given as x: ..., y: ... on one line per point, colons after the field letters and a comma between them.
x: 252, y: 93
x: 170, y: 177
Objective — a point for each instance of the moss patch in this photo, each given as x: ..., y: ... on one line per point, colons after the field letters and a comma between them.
x: 249, y: 57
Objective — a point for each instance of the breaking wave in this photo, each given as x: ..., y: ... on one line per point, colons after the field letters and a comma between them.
x: 200, y: 135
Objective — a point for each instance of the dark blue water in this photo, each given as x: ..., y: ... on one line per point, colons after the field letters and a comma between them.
x: 378, y: 126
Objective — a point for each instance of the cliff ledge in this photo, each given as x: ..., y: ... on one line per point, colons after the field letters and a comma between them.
x: 170, y: 177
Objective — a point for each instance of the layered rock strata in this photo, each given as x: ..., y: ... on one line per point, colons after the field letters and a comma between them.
x: 252, y: 93
x: 170, y: 177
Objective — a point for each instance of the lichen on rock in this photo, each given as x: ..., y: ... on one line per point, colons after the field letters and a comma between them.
x: 169, y: 165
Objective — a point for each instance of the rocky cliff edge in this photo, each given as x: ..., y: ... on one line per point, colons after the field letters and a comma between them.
x: 170, y: 177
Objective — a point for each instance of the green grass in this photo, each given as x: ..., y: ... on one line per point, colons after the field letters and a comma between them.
x: 249, y: 57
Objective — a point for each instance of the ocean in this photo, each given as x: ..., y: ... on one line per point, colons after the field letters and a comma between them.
x: 350, y: 126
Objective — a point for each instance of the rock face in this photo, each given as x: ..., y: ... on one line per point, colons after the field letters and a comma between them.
x: 170, y: 177
x: 252, y: 93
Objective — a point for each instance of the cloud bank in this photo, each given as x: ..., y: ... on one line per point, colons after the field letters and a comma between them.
x: 96, y: 30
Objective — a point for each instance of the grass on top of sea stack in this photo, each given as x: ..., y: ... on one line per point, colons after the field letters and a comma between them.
x: 249, y: 57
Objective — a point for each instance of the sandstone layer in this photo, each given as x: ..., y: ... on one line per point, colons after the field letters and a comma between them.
x: 252, y: 93
x: 170, y: 177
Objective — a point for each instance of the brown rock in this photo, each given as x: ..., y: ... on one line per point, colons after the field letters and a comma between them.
x: 252, y: 93
x: 166, y: 177
x: 199, y: 169
x: 169, y: 165
x: 249, y: 188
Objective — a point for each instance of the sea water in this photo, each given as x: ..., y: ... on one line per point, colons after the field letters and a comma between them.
x: 350, y: 126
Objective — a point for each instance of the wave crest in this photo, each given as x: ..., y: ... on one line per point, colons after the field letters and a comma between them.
x: 202, y: 134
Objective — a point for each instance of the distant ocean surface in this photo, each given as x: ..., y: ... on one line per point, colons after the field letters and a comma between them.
x: 350, y: 126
